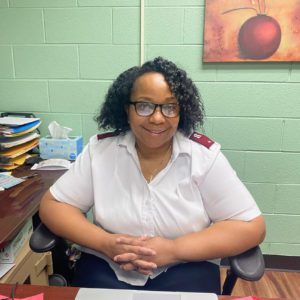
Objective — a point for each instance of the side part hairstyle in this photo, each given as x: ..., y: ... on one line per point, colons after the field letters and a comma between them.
x: 113, y: 113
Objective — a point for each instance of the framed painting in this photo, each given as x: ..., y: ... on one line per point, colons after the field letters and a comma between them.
x: 251, y: 30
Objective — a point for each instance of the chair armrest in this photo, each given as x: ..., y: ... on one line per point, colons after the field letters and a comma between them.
x: 42, y: 239
x: 249, y: 265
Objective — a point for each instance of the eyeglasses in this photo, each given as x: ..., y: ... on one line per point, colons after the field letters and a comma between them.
x: 146, y: 109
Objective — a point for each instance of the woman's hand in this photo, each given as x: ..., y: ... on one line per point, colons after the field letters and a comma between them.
x: 134, y: 251
x: 164, y: 254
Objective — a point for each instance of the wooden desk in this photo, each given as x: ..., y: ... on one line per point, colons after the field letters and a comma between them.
x: 21, y: 202
x: 63, y: 293
x: 50, y: 293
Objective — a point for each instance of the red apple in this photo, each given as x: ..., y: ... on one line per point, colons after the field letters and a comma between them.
x: 259, y: 37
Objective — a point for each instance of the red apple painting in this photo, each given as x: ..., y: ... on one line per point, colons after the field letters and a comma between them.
x: 251, y: 30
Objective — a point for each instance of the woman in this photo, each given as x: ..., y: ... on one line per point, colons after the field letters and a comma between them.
x: 166, y: 202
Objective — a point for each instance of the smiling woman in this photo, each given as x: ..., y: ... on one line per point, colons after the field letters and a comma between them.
x: 166, y: 202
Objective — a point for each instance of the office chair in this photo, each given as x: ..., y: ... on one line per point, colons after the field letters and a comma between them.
x: 248, y: 265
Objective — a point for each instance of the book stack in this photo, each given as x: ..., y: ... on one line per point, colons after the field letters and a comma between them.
x: 17, y: 137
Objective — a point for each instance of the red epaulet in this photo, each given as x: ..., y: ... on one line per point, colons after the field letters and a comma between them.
x: 202, y: 139
x: 105, y: 135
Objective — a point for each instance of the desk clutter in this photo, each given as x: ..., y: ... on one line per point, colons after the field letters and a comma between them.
x: 9, y: 253
x: 19, y: 264
x: 18, y: 136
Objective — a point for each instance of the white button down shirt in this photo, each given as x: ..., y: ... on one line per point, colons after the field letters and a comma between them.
x: 197, y: 188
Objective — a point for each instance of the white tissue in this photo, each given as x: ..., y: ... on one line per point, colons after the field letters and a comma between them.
x: 57, y: 131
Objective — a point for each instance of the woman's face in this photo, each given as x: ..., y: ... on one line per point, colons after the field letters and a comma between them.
x: 156, y: 130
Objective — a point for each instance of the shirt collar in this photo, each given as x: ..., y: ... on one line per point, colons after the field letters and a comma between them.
x: 127, y: 140
x: 181, y: 144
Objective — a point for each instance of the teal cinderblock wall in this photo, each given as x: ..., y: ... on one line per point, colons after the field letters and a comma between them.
x: 58, y: 57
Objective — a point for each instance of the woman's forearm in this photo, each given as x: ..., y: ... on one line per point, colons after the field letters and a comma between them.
x: 70, y: 223
x: 222, y: 239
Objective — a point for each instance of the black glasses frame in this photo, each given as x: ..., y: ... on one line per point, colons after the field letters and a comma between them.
x: 155, y: 105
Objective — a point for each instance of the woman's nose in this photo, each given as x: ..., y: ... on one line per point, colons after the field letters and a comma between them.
x: 157, y: 116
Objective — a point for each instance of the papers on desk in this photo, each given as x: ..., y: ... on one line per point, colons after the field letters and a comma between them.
x: 8, y: 129
x: 4, y: 268
x: 16, y: 121
x: 17, y: 138
x: 8, y: 181
x: 8, y: 142
x: 52, y: 164
x: 7, y: 155
x: 116, y: 294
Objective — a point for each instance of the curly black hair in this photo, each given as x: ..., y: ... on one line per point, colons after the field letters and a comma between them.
x: 113, y: 114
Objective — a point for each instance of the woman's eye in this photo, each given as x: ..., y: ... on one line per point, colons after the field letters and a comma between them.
x: 171, y: 107
x: 145, y: 106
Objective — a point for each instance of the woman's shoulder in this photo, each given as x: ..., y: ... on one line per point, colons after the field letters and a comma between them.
x: 202, y: 140
x: 99, y: 138
x: 204, y: 152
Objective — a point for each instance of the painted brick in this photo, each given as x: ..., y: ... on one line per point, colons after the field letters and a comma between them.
x: 77, y: 96
x: 187, y: 57
x: 78, y: 25
x: 42, y: 3
x: 253, y: 72
x: 207, y: 127
x: 106, y: 61
x: 125, y: 25
x: 287, y: 200
x: 291, y: 135
x: 6, y: 62
x: 24, y: 96
x: 272, y: 167
x: 171, y: 3
x: 110, y: 3
x: 193, y: 30
x: 21, y: 26
x: 251, y: 99
x: 295, y: 73
x: 248, y: 133
x: 265, y: 248
x: 68, y: 120
x: 237, y: 91
x: 164, y: 25
x: 236, y: 160
x: 3, y: 3
x: 46, y: 61
x: 264, y: 195
x: 89, y: 127
x: 282, y: 229
x: 288, y: 249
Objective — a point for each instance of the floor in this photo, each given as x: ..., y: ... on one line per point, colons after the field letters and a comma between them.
x: 274, y: 284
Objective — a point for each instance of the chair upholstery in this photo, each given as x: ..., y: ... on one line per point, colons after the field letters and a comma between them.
x: 248, y: 265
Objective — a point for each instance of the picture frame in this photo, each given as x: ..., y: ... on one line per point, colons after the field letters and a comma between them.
x: 251, y: 30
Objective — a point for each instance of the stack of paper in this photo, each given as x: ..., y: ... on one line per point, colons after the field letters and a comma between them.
x: 17, y: 138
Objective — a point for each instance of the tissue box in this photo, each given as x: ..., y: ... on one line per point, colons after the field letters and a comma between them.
x: 68, y: 148
x: 9, y: 253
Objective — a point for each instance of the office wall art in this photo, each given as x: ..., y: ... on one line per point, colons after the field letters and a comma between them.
x: 251, y: 30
